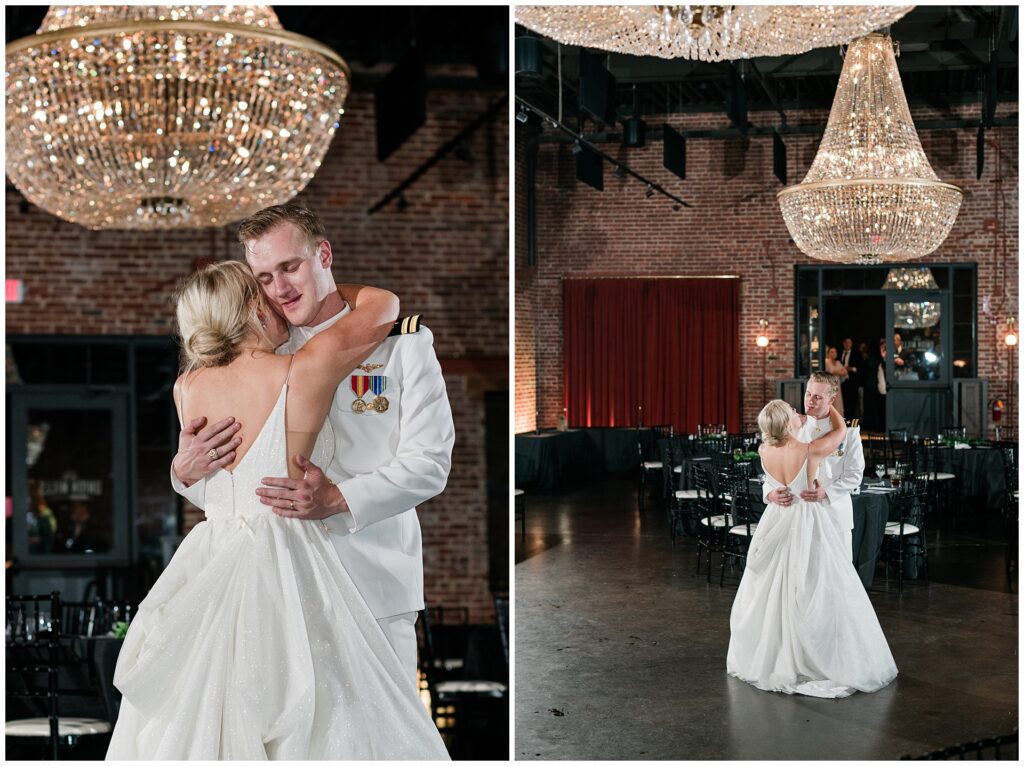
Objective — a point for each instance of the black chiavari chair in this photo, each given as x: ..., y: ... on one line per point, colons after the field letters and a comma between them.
x: 898, y: 445
x: 1008, y: 453
x: 45, y: 672
x: 648, y: 465
x: 712, y: 525
x: 745, y: 516
x: 1001, y: 748
x: 905, y: 537
x: 682, y: 496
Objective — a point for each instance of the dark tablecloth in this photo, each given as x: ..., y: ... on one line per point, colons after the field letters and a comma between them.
x: 979, y: 470
x: 614, y: 450
x: 553, y: 459
x: 545, y: 460
x: 101, y: 654
x: 870, y: 513
x: 94, y: 672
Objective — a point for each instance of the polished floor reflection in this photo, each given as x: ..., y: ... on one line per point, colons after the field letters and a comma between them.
x: 620, y: 648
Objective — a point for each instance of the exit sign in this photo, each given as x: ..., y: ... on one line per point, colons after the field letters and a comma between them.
x: 15, y: 291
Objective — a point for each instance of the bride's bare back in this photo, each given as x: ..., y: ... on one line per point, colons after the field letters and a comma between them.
x: 247, y: 389
x: 250, y: 385
x: 784, y: 461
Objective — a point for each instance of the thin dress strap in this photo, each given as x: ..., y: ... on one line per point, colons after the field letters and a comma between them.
x: 289, y: 374
x: 181, y: 403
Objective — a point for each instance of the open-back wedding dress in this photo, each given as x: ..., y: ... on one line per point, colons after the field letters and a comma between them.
x: 254, y: 643
x: 802, y: 622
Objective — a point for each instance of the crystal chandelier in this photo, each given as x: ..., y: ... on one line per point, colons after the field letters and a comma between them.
x: 910, y: 279
x: 159, y: 117
x: 707, y: 32
x: 870, y: 196
x: 916, y: 315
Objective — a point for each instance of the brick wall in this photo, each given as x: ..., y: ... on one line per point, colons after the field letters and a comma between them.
x: 735, y: 227
x: 446, y: 255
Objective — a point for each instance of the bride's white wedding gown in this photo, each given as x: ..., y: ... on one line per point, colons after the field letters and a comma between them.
x: 254, y: 643
x: 802, y: 622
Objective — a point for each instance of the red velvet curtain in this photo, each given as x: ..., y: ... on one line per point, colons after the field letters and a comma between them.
x: 670, y: 346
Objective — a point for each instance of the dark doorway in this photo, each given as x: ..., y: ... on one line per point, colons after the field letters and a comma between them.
x: 858, y: 317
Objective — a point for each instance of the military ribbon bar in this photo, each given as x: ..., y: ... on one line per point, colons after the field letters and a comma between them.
x: 359, y: 384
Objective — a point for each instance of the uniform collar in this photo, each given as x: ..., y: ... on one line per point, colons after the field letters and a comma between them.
x: 306, y: 332
x: 817, y: 425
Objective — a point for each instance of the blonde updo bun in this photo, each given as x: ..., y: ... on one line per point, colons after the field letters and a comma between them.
x: 773, y: 421
x: 216, y: 309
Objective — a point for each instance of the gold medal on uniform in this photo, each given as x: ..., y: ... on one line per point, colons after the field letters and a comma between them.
x: 359, y: 386
x: 378, y: 383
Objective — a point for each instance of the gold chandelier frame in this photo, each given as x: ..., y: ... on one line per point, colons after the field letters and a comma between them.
x: 184, y: 25
x: 866, y: 182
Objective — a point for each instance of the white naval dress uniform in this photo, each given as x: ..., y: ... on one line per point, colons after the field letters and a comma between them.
x: 839, y: 474
x: 384, y: 464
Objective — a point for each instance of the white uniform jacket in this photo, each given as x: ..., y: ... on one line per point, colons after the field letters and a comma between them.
x: 385, y: 463
x: 839, y: 474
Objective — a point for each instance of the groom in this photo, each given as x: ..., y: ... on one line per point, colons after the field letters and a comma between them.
x: 392, y: 424
x: 841, y: 472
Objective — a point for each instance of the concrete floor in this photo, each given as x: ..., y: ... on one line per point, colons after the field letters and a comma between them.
x: 620, y: 648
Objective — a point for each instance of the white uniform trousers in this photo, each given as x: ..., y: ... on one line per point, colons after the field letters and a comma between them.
x: 400, y: 630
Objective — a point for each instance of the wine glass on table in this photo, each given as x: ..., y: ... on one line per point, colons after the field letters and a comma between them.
x: 880, y: 471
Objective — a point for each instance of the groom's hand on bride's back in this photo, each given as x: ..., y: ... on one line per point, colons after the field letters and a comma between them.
x: 814, y: 494
x: 312, y: 497
x: 201, y: 451
x: 781, y: 496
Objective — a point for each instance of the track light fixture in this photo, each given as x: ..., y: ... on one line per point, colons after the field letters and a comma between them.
x: 649, y: 191
x: 522, y: 115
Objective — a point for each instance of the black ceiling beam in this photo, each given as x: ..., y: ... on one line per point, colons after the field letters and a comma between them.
x: 788, y: 130
x: 445, y: 149
x: 568, y: 136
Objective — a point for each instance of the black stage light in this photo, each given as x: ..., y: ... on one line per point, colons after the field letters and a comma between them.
x: 649, y: 191
x: 529, y: 57
x: 634, y: 132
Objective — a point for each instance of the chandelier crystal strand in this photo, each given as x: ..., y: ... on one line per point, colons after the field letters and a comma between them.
x: 870, y: 195
x: 707, y: 32
x: 158, y: 117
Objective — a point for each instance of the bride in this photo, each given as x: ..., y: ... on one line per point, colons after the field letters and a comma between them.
x: 254, y: 643
x: 802, y: 622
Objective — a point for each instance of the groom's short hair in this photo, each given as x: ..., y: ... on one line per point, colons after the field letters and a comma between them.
x: 823, y: 377
x: 262, y: 221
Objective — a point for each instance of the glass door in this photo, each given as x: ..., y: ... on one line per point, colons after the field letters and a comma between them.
x: 69, y: 478
x: 918, y: 334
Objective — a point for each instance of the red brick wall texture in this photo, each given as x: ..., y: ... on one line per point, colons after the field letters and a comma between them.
x: 734, y: 227
x: 446, y: 255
